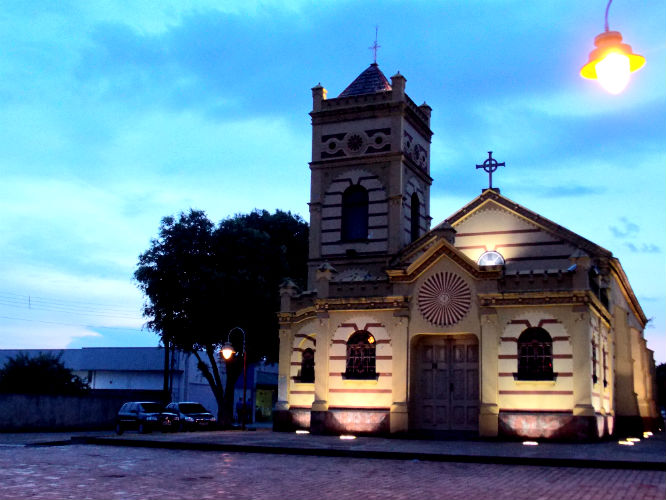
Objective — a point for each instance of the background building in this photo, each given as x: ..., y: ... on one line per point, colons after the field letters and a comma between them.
x: 137, y: 373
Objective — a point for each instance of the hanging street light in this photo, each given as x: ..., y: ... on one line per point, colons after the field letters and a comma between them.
x: 612, y: 61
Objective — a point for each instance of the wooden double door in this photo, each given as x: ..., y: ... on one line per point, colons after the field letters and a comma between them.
x: 445, y: 390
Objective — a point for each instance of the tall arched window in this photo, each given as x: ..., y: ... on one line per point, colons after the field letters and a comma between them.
x: 361, y: 356
x: 415, y: 217
x: 307, y: 366
x: 355, y: 214
x: 535, y: 355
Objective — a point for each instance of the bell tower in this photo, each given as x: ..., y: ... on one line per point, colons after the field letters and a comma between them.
x: 370, y: 175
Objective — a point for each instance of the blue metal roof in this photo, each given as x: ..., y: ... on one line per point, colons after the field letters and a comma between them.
x: 100, y: 358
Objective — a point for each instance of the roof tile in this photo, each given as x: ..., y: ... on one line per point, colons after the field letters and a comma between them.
x: 370, y: 81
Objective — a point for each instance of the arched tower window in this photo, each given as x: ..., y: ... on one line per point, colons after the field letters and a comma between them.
x: 415, y: 217
x: 355, y: 214
x: 361, y: 356
x: 307, y: 366
x: 535, y: 355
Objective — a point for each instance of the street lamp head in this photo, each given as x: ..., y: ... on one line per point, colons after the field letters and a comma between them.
x: 611, y: 62
x: 227, y: 350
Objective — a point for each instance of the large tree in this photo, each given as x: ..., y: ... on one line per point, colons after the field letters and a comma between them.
x: 201, y: 280
x: 44, y: 373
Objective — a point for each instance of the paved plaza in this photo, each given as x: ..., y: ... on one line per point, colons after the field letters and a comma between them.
x: 111, y: 472
x: 287, y: 466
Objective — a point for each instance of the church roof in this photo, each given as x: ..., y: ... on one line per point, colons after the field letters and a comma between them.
x: 370, y: 81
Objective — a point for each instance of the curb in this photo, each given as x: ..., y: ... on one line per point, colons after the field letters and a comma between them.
x: 385, y: 455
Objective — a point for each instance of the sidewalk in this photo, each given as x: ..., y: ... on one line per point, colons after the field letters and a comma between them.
x: 648, y: 454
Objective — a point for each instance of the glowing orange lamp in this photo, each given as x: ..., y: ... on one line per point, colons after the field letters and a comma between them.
x: 612, y: 61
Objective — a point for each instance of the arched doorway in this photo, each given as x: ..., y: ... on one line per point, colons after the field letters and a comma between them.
x: 445, y: 383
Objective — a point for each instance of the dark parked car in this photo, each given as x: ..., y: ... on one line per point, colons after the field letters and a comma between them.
x: 192, y: 415
x: 145, y: 416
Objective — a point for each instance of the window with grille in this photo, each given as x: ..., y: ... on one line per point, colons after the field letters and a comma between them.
x: 535, y: 355
x: 361, y: 356
x: 307, y: 366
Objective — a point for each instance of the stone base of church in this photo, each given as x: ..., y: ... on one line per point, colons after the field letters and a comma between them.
x: 634, y: 426
x: 551, y: 426
x: 282, y: 421
x: 351, y: 421
x: 291, y: 420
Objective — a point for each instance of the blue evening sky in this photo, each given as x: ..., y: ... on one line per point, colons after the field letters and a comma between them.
x: 116, y: 113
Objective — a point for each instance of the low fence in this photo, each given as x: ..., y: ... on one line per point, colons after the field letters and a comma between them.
x: 33, y: 412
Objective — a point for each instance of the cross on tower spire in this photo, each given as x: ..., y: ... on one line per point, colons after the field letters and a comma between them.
x: 490, y: 165
x: 375, y: 46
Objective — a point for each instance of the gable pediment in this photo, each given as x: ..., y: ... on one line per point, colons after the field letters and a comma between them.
x: 422, y: 255
x: 525, y: 219
x: 526, y: 240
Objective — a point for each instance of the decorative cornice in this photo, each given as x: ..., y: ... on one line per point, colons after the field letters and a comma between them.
x: 322, y: 307
x: 292, y: 318
x: 573, y: 298
x: 416, y: 169
x: 361, y: 303
x: 367, y: 159
x: 618, y: 273
x: 357, y: 108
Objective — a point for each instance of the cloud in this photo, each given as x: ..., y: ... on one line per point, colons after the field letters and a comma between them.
x: 116, y: 337
x: 69, y: 297
x: 627, y: 229
x: 644, y: 248
x: 17, y: 334
x: 567, y: 191
x: 196, y: 65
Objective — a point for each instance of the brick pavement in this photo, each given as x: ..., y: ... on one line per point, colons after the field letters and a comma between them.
x: 109, y: 472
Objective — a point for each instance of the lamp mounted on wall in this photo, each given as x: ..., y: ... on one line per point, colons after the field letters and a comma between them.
x: 612, y: 61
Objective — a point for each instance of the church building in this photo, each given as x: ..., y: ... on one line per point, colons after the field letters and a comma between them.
x: 496, y: 321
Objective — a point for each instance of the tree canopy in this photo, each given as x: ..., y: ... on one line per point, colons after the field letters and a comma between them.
x: 201, y: 280
x: 41, y: 374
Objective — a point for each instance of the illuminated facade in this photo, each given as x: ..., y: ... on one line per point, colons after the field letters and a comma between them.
x: 496, y: 321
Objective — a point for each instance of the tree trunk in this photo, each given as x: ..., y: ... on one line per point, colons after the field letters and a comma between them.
x: 166, y: 393
x: 212, y: 376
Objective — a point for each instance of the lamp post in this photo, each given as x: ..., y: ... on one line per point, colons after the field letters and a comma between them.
x: 227, y: 352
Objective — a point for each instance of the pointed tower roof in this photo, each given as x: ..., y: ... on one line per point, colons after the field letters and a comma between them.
x: 370, y: 81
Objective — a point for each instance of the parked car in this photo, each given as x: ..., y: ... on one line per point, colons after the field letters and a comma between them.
x: 192, y: 415
x: 145, y: 416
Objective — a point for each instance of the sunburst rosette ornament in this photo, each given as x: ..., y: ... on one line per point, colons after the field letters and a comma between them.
x: 444, y: 299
